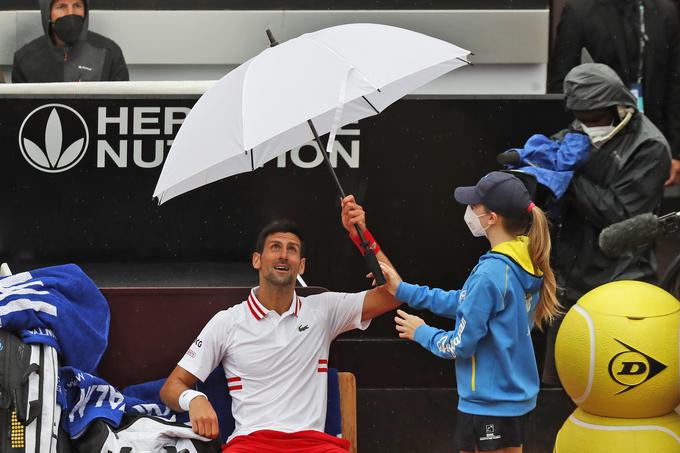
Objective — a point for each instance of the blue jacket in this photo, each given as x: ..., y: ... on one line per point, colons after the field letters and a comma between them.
x: 553, y: 162
x: 496, y: 368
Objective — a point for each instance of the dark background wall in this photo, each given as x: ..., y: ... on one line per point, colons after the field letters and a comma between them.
x: 410, y: 158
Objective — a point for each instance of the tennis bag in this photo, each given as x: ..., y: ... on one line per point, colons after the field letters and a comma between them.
x: 140, y: 434
x: 29, y: 414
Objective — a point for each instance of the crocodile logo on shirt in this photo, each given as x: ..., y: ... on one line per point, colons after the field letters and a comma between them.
x: 303, y: 328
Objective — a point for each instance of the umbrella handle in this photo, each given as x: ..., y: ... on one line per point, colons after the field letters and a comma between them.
x: 372, y: 262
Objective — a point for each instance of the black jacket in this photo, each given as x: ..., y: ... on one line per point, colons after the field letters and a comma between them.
x: 598, y: 26
x: 621, y: 179
x: 93, y: 58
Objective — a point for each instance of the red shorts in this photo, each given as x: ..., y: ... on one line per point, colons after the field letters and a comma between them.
x: 268, y: 441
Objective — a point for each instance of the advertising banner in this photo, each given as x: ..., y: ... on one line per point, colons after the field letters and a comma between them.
x: 77, y: 177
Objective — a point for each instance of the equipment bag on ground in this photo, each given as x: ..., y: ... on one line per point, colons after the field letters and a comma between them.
x: 29, y: 414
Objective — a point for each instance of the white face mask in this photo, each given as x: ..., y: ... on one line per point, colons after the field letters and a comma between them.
x: 473, y: 223
x: 597, y: 134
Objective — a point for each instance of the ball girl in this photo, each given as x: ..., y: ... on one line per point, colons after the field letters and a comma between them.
x: 511, y: 289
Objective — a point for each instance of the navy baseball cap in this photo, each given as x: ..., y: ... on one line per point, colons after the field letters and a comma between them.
x: 501, y: 192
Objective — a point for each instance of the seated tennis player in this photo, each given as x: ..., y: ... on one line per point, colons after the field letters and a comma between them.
x: 274, y: 350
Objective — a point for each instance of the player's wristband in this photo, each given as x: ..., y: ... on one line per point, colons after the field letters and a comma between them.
x: 372, y: 244
x: 186, y: 397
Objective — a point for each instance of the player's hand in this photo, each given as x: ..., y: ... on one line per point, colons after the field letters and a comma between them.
x: 407, y: 324
x: 203, y: 418
x: 352, y: 214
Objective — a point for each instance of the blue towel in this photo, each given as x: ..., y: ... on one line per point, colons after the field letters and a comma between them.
x: 553, y: 162
x: 59, y: 306
x: 84, y: 398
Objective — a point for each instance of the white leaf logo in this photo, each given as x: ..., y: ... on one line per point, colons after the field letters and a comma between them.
x: 35, y: 153
x: 53, y: 137
x: 71, y: 153
x: 54, y: 158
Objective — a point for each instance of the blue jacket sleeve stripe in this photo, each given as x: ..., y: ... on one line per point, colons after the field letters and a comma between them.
x: 435, y: 341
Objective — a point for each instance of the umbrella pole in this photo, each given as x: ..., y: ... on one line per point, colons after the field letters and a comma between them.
x: 369, y: 254
x: 322, y: 148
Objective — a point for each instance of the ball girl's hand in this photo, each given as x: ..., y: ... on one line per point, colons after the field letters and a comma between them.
x: 392, y: 278
x: 407, y: 324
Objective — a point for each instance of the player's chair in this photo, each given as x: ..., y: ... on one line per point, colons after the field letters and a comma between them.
x: 348, y: 408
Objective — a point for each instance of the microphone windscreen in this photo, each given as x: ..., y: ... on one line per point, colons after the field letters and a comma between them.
x: 619, y: 237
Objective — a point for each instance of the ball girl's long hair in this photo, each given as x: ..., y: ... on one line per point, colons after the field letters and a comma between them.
x: 536, y: 226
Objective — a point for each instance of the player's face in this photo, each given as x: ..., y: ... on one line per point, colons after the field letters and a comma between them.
x: 61, y: 8
x: 280, y: 261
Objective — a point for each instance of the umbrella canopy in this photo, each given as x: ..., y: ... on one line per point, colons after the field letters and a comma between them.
x: 332, y: 77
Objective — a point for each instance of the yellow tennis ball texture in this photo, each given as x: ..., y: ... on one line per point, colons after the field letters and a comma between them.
x: 583, y: 432
x: 617, y: 351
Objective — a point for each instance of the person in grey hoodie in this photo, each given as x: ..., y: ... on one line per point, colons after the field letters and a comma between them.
x: 624, y: 176
x: 640, y: 41
x: 68, y: 52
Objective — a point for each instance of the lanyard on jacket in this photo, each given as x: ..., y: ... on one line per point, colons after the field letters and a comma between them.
x: 636, y: 87
x: 643, y: 41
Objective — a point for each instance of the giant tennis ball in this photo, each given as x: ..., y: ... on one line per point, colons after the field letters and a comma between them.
x: 583, y: 432
x: 617, y: 351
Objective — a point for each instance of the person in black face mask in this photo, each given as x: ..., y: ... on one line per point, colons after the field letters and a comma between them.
x: 68, y: 52
x: 66, y: 29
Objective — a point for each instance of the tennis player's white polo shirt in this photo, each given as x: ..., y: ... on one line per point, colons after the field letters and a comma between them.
x: 276, y: 365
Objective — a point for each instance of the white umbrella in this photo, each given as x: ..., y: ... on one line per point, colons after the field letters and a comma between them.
x: 260, y: 109
x: 279, y: 100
